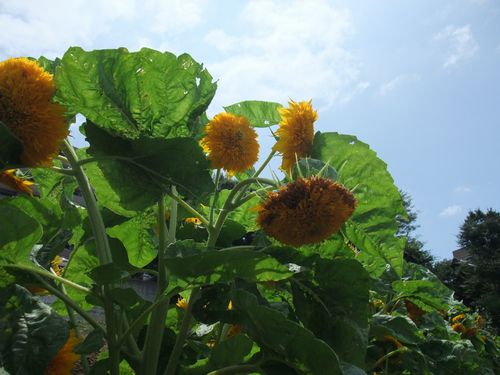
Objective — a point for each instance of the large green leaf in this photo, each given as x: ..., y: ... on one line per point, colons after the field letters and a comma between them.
x: 429, y: 295
x: 279, y: 335
x: 133, y: 94
x: 46, y: 213
x: 379, y: 201
x: 378, y: 258
x: 400, y: 327
x: 335, y: 308
x: 225, y: 265
x: 130, y: 175
x: 31, y: 332
x: 136, y: 236
x: 19, y: 232
x: 260, y: 114
x: 11, y: 148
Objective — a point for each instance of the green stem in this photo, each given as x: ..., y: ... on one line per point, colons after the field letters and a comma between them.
x: 237, y: 369
x: 47, y: 274
x: 154, y: 334
x: 387, y: 356
x: 72, y: 319
x: 216, y: 196
x: 188, y: 208
x: 69, y: 302
x: 183, y: 333
x: 229, y: 205
x: 66, y: 172
x: 144, y: 315
x: 98, y: 228
x: 264, y: 164
x: 103, y: 252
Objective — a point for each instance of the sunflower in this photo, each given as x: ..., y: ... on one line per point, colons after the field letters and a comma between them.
x: 26, y: 109
x: 458, y: 318
x: 9, y: 178
x: 295, y: 132
x: 231, y: 143
x: 182, y: 303
x: 306, y: 211
x: 65, y: 359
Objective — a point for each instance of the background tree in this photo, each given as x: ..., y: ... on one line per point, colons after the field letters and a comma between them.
x: 480, y: 235
x: 414, y: 249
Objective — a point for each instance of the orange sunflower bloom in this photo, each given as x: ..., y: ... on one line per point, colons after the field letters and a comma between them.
x: 459, y: 327
x: 231, y: 143
x: 295, y: 132
x: 26, y: 91
x: 65, y: 359
x: 306, y: 211
x: 9, y: 178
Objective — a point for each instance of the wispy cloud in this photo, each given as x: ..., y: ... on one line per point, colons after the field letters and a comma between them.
x: 461, y: 44
x: 451, y: 211
x: 462, y: 189
x: 396, y: 82
x: 293, y: 49
x: 34, y: 28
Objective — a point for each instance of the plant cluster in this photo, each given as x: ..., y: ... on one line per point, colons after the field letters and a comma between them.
x: 302, y: 274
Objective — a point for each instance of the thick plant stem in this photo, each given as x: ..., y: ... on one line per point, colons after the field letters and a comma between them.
x: 154, y: 335
x: 216, y: 196
x: 98, y: 229
x: 183, y: 333
x: 102, y: 249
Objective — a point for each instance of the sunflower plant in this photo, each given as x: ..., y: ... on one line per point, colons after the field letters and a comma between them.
x: 298, y: 274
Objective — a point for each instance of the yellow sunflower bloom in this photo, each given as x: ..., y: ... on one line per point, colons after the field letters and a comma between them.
x: 182, y: 303
x: 9, y: 178
x: 65, y: 359
x: 57, y: 265
x: 26, y: 92
x: 458, y: 318
x: 306, y: 211
x: 231, y: 143
x: 295, y: 132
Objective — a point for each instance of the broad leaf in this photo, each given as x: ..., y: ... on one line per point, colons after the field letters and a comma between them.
x: 134, y: 94
x: 335, y: 307
x: 31, y: 332
x: 136, y: 234
x: 277, y: 334
x: 379, y: 201
x: 260, y: 114
x: 225, y: 265
x: 19, y: 232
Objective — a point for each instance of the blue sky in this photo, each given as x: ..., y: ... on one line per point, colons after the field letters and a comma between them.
x: 417, y: 80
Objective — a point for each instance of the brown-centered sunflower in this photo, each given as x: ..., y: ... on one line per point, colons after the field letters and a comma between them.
x: 26, y: 91
x: 64, y: 361
x: 9, y: 178
x: 295, y: 132
x: 306, y: 211
x: 231, y: 143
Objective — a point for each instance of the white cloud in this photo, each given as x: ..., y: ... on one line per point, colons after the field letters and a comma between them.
x: 462, y: 189
x: 451, y: 211
x: 396, y: 82
x: 288, y: 50
x: 34, y: 28
x: 461, y: 44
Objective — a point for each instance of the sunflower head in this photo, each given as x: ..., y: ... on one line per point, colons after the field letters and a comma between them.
x: 9, y: 178
x: 306, y: 211
x: 182, y: 303
x: 65, y: 360
x: 295, y: 132
x: 26, y: 92
x: 231, y: 143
